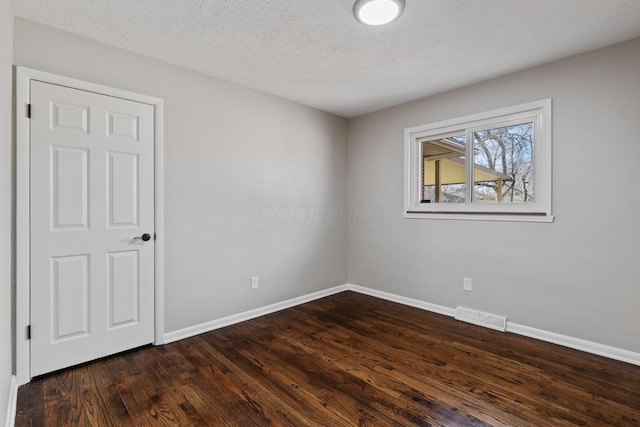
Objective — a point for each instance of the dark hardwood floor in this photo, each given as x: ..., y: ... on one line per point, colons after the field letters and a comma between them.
x: 345, y: 360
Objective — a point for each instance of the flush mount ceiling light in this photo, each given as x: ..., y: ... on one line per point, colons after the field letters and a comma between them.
x: 377, y: 12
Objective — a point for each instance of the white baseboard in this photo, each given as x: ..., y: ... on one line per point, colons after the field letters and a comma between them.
x: 12, y: 403
x: 563, y: 340
x: 539, y: 334
x: 576, y: 343
x: 248, y: 315
x: 440, y: 309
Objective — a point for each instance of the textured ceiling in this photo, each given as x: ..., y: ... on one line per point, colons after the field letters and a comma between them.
x: 314, y: 52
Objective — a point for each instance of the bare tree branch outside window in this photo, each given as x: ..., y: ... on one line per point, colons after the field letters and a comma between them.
x: 508, y: 151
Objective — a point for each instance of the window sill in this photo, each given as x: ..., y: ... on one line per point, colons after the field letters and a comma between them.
x: 483, y: 216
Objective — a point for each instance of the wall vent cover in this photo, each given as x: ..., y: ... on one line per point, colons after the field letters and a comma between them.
x: 488, y: 320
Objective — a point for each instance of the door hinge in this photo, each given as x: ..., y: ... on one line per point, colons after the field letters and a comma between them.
x: 28, y: 111
x: 28, y: 332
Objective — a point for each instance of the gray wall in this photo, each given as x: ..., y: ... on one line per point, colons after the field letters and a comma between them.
x: 6, y: 37
x: 253, y: 183
x: 577, y: 276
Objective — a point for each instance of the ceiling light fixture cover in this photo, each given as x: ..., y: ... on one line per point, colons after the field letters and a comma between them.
x: 377, y: 12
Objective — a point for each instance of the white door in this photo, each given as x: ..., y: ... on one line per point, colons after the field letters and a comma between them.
x: 92, y: 202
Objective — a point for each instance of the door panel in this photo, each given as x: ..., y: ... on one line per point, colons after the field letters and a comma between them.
x: 70, y: 297
x: 124, y: 288
x: 122, y: 189
x: 69, y: 188
x: 123, y: 125
x: 92, y: 284
x: 67, y: 117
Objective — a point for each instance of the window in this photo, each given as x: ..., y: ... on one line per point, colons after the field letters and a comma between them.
x: 489, y: 166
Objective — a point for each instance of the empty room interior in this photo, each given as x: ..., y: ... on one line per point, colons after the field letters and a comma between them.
x: 307, y: 213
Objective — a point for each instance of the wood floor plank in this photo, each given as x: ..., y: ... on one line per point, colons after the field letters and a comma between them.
x: 234, y: 386
x: 561, y: 365
x: 411, y: 359
x: 157, y: 399
x: 291, y: 386
x: 379, y: 373
x: 470, y: 359
x: 33, y: 415
x: 344, y: 360
x: 339, y: 396
x: 122, y: 369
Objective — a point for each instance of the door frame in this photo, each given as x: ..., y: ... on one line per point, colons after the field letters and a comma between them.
x: 24, y: 76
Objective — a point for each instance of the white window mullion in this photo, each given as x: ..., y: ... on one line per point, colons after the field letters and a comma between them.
x: 469, y: 167
x: 420, y: 170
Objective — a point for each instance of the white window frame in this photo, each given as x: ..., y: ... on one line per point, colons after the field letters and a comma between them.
x: 537, y: 112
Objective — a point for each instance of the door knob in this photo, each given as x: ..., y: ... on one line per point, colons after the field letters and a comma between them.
x: 145, y: 237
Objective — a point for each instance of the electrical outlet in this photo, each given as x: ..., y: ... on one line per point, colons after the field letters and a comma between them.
x: 255, y: 282
x: 466, y: 284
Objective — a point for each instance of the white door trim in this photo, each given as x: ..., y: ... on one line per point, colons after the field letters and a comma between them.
x: 24, y: 76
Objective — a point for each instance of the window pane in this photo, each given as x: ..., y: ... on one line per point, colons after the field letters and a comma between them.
x: 503, y: 164
x: 443, y: 170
